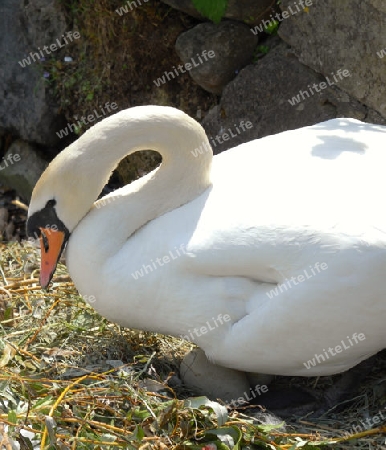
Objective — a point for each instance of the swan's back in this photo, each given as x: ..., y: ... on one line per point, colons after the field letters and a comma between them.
x: 277, y: 207
x: 329, y: 172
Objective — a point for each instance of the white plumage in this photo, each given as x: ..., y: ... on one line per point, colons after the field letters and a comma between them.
x: 238, y: 231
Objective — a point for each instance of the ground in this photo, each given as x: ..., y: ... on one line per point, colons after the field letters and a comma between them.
x: 108, y: 387
x: 81, y: 382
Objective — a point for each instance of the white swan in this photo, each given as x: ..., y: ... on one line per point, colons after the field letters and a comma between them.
x: 267, y: 257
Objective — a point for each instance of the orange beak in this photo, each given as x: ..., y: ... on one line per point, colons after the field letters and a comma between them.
x: 51, y: 245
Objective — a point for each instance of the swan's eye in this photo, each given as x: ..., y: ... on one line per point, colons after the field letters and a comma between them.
x: 44, y: 239
x: 51, y: 203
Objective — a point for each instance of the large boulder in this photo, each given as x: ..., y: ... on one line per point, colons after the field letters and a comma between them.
x: 276, y: 95
x: 343, y: 35
x: 21, y: 168
x: 216, y: 53
x: 27, y: 109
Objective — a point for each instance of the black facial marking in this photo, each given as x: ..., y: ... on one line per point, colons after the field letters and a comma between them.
x: 45, y: 242
x: 48, y: 219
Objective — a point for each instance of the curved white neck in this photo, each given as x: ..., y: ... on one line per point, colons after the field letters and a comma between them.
x: 86, y: 165
x: 102, y: 250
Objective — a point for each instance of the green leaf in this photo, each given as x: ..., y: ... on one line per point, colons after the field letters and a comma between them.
x: 12, y: 417
x: 220, y: 410
x: 44, y: 402
x: 231, y: 436
x: 139, y: 434
x: 263, y: 49
x: 272, y: 27
x: 213, y: 9
x: 140, y: 414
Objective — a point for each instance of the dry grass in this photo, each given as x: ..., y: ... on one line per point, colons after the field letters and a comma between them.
x: 80, y: 382
x: 118, y: 58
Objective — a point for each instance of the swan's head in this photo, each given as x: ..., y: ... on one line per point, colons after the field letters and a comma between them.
x: 53, y: 234
x: 69, y: 186
x: 65, y: 193
x: 61, y: 198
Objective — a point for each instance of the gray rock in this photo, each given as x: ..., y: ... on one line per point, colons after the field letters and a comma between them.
x: 231, y: 42
x: 262, y: 94
x: 248, y: 11
x: 21, y: 167
x: 347, y: 34
x: 3, y: 220
x: 27, y: 109
x: 2, y: 139
x: 206, y: 378
x: 152, y: 385
x: 378, y: 4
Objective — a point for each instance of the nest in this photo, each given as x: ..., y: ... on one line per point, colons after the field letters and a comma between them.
x: 69, y: 379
